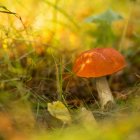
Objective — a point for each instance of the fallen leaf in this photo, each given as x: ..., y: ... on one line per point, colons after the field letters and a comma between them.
x: 58, y: 110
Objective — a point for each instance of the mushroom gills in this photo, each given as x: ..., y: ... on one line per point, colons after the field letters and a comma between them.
x: 104, y: 92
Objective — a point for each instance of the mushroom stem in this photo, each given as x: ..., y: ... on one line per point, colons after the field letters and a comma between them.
x: 105, y: 95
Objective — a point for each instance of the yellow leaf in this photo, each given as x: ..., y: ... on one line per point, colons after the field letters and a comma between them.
x: 58, y: 110
x: 86, y: 117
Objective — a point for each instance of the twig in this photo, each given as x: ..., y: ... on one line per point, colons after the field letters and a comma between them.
x: 7, y: 11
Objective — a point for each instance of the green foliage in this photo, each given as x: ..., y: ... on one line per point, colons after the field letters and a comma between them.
x: 108, y: 17
x: 104, y: 33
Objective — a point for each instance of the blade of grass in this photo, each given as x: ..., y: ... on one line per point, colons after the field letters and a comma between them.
x: 59, y: 81
x: 62, y: 12
x: 7, y: 11
x: 132, y: 6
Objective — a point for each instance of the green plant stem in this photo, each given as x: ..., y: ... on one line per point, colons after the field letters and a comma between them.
x: 126, y: 26
x: 62, y: 12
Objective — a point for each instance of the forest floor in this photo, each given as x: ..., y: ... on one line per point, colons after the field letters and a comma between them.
x: 40, y: 96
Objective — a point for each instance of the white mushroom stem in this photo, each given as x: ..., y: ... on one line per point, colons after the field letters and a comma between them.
x: 104, y: 92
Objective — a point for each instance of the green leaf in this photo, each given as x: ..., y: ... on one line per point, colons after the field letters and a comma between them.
x: 108, y: 17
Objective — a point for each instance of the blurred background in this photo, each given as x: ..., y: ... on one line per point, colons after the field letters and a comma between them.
x: 39, y: 41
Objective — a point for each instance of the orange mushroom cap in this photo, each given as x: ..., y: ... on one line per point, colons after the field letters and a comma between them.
x: 98, y: 62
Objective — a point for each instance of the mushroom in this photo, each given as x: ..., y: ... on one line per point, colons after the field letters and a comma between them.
x: 98, y: 63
